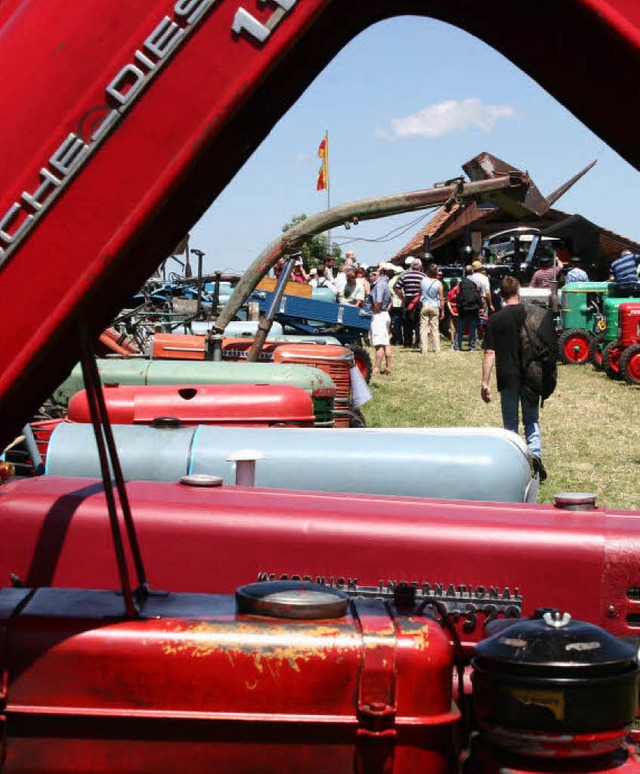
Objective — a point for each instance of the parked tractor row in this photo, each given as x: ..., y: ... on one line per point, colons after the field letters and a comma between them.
x: 601, y: 326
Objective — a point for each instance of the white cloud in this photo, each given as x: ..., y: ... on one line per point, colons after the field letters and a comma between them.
x: 448, y: 116
x: 303, y: 157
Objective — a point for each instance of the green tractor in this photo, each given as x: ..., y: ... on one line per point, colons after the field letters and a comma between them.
x: 604, y: 343
x: 582, y: 320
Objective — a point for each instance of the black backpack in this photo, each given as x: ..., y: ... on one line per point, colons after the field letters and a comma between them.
x: 539, y: 354
x: 469, y: 298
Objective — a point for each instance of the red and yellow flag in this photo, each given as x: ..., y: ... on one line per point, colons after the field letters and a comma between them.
x: 323, y: 174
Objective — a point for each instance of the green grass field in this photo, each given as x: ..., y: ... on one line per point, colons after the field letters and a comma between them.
x: 590, y: 431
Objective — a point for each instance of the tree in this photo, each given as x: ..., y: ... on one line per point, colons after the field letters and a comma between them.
x: 316, y: 248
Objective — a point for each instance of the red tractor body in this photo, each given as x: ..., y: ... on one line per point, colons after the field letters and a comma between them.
x: 123, y: 122
x: 622, y: 357
x: 195, y: 685
x: 509, y: 559
x: 242, y: 405
x: 334, y: 360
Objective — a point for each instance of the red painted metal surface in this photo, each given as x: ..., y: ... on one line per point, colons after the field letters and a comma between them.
x: 115, y: 87
x: 178, y: 346
x: 242, y: 405
x: 191, y: 685
x: 483, y: 560
x: 629, y: 324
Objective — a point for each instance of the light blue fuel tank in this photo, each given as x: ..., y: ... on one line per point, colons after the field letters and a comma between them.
x: 457, y: 463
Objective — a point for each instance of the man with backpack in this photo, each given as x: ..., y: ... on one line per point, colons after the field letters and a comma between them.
x: 522, y: 344
x: 469, y: 305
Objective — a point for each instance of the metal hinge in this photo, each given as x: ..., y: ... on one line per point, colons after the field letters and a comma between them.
x: 376, y: 699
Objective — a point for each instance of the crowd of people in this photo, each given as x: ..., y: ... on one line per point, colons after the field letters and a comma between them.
x: 417, y: 306
x: 409, y: 304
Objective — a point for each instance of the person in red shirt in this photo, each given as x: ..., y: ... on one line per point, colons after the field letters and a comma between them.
x: 298, y: 274
x: 452, y: 307
x: 545, y: 274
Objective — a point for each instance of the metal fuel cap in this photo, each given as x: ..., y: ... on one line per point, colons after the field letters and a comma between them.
x: 291, y: 599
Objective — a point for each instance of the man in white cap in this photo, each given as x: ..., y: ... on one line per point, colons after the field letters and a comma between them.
x: 397, y: 337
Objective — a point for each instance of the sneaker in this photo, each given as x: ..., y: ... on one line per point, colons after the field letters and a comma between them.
x: 539, y: 468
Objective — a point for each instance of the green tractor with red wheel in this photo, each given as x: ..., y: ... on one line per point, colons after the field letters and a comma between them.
x: 621, y: 357
x: 582, y: 320
x: 604, y: 352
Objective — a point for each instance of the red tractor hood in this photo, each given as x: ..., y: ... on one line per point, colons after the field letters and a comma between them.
x: 123, y: 121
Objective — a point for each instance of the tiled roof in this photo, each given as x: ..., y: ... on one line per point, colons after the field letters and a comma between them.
x: 437, y: 222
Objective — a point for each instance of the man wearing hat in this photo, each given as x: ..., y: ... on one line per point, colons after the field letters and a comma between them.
x: 397, y: 337
x: 481, y: 281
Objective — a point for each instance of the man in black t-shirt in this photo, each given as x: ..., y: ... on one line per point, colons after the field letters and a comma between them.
x: 502, y: 347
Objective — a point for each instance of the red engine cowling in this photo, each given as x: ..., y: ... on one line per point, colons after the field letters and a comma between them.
x: 242, y: 405
x: 192, y: 684
x: 481, y: 561
x: 629, y: 323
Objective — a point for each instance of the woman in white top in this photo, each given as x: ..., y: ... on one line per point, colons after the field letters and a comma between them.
x: 432, y: 311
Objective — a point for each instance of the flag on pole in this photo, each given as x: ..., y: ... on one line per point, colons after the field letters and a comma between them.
x: 323, y: 174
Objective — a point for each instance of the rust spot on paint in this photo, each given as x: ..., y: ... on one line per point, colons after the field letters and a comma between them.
x: 271, y: 647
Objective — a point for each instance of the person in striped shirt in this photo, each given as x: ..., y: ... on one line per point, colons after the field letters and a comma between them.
x: 409, y: 289
x: 624, y: 270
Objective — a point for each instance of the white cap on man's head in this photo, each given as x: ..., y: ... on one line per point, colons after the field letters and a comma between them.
x: 409, y: 260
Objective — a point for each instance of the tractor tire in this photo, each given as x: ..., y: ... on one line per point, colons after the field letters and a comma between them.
x: 356, y: 418
x: 363, y: 361
x: 574, y: 346
x: 611, y: 360
x: 595, y: 351
x: 630, y: 364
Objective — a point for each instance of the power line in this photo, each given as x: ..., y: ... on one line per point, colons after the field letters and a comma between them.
x: 390, y: 235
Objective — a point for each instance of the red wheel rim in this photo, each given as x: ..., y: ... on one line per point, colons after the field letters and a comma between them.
x: 576, y: 349
x: 633, y: 367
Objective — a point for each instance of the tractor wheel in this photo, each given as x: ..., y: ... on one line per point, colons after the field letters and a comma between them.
x: 595, y: 351
x: 574, y: 346
x: 611, y: 360
x: 630, y: 364
x: 363, y: 361
x: 356, y: 418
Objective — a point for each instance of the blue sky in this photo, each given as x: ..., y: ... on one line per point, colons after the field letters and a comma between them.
x: 406, y: 103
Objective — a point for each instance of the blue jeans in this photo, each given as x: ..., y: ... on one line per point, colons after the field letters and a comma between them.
x: 511, y: 402
x: 469, y: 321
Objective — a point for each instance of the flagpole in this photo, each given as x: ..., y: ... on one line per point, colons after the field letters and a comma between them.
x: 328, y: 190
